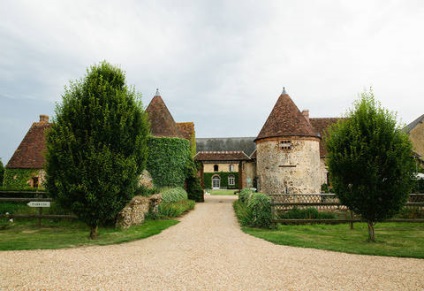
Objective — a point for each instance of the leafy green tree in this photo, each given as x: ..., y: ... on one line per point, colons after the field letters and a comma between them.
x: 370, y: 161
x: 1, y: 173
x: 97, y: 146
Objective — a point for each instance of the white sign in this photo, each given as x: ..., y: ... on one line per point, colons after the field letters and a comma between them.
x: 39, y: 204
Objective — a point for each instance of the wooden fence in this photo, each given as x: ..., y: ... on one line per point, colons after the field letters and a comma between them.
x: 30, y: 196
x: 281, y: 204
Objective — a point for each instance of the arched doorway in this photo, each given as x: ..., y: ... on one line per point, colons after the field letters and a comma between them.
x: 216, y: 182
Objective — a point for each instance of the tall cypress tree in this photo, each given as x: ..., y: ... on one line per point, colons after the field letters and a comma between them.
x: 97, y: 146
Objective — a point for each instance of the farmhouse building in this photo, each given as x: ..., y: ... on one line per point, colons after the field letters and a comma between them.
x: 227, y: 162
x: 26, y: 167
x: 287, y: 155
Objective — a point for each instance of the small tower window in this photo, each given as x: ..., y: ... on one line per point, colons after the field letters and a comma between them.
x: 231, y: 168
x: 215, y: 168
x: 286, y: 145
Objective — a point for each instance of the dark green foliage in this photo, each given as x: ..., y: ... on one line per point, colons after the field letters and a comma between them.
x: 253, y: 209
x: 244, y: 195
x: 97, y: 146
x: 1, y: 173
x: 419, y: 186
x: 370, y: 161
x: 168, y: 161
x: 308, y: 213
x: 324, y: 188
x: 173, y: 194
x: 194, y: 188
x: 12, y: 207
x: 143, y: 191
x: 207, y: 178
x: 411, y: 213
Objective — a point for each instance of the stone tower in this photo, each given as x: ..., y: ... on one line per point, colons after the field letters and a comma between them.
x: 288, y: 157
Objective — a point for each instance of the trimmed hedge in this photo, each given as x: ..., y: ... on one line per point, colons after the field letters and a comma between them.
x: 168, y: 161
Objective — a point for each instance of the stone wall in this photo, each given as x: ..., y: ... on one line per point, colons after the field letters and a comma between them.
x: 248, y: 174
x: 135, y: 212
x: 323, y: 171
x: 293, y: 170
x: 416, y: 136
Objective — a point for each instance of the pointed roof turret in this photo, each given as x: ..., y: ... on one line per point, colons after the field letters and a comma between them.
x: 286, y: 120
x: 30, y: 152
x: 161, y: 121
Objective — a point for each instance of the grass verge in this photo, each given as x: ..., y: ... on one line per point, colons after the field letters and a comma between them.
x: 393, y: 239
x: 222, y: 191
x: 26, y: 235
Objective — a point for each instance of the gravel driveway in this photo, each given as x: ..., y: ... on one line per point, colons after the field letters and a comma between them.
x: 206, y: 251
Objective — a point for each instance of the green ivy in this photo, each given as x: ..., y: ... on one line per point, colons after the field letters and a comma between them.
x: 207, y: 179
x: 17, y: 179
x: 168, y: 161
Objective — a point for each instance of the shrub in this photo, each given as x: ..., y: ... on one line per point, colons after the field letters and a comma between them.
x: 175, y: 209
x: 253, y: 209
x: 259, y: 210
x: 194, y: 189
x: 418, y: 186
x: 244, y: 195
x: 174, y: 194
x: 308, y: 213
x: 241, y: 212
x: 144, y: 191
x: 411, y: 213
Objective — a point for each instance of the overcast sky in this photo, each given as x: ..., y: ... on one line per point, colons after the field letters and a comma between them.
x: 220, y: 64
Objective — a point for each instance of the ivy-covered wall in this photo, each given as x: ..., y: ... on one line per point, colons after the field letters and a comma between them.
x: 21, y: 178
x: 207, y: 179
x: 169, y: 161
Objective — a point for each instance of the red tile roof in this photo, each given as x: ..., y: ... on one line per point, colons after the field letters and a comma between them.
x: 186, y: 129
x: 221, y: 156
x: 30, y: 153
x: 286, y: 120
x: 322, y: 125
x: 161, y: 121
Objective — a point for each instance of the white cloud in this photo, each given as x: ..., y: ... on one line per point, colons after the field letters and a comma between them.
x: 221, y: 63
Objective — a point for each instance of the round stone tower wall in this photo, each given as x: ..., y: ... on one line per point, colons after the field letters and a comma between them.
x: 288, y: 165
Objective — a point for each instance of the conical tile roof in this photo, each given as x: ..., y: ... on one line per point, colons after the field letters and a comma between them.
x: 286, y: 120
x: 161, y: 121
x: 30, y: 152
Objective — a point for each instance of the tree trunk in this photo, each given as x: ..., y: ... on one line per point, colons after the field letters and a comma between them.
x: 371, y: 232
x: 93, y: 232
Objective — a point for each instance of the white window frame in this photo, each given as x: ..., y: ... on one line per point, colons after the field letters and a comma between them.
x: 231, y: 180
x: 216, y: 182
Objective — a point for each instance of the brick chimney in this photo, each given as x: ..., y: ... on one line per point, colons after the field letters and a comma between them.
x: 305, y: 114
x: 44, y: 118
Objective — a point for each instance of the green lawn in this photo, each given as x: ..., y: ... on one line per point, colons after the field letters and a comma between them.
x: 393, y: 239
x: 222, y: 191
x: 26, y: 235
